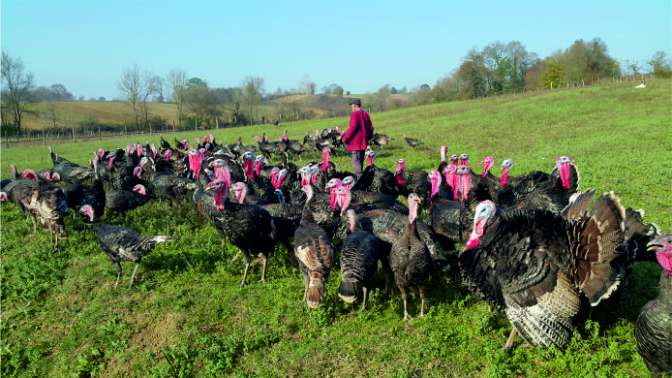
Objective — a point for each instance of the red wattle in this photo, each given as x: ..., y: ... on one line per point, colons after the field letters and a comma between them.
x: 505, y: 178
x: 473, y: 243
x: 564, y: 175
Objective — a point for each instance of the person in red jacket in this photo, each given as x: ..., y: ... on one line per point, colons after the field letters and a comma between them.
x: 357, y: 136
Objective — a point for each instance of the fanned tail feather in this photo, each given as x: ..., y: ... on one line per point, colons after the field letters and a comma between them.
x: 348, y: 291
x: 599, y: 268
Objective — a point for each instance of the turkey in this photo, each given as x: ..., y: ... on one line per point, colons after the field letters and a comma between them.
x: 540, y: 190
x: 248, y: 227
x: 653, y: 330
x: 323, y: 208
x: 413, y: 142
x: 68, y: 170
x: 375, y: 179
x: 537, y: 264
x: 121, y: 201
x: 412, y: 181
x: 121, y: 243
x: 165, y: 185
x: 448, y: 219
x: 380, y: 139
x: 359, y: 260
x: 91, y: 204
x: 637, y: 235
x: 363, y: 201
x: 410, y: 260
x: 44, y: 203
x: 315, y: 254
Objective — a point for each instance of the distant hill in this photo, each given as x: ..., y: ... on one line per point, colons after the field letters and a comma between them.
x: 292, y: 107
x: 72, y: 113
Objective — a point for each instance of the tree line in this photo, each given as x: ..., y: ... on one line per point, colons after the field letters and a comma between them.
x: 497, y: 68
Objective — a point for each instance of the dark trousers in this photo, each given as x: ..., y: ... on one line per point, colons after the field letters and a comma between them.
x: 357, y: 162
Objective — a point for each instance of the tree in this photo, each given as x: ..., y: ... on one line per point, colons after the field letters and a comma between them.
x: 307, y: 86
x: 632, y: 66
x: 130, y: 85
x: 55, y: 92
x: 159, y: 84
x: 473, y: 75
x: 423, y: 95
x: 333, y: 89
x: 177, y: 79
x: 252, y: 92
x: 200, y: 100
x: 380, y: 100
x: 17, y: 86
x: 150, y: 86
x: 660, y: 65
x: 553, y: 73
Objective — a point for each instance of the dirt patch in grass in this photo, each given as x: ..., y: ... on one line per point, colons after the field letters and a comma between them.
x: 152, y: 333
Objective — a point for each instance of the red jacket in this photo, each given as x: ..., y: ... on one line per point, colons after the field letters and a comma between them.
x: 359, y: 132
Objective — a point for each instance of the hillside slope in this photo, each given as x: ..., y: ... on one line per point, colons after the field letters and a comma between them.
x: 187, y: 316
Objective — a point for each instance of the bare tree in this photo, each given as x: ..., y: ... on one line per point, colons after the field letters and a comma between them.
x: 253, y: 90
x: 17, y: 85
x: 130, y: 84
x: 150, y: 86
x: 307, y: 86
x: 177, y: 79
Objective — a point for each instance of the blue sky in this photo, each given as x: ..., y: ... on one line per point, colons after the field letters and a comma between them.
x: 360, y: 45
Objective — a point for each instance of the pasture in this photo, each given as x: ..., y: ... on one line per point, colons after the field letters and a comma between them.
x: 187, y: 316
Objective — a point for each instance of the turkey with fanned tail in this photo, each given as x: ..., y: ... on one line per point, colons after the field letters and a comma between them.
x: 536, y: 264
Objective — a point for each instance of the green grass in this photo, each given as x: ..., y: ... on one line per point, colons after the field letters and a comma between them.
x: 187, y: 316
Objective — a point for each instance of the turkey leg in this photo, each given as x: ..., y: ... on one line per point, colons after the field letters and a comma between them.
x: 247, y: 267
x: 365, y: 292
x: 117, y: 266
x: 403, y: 298
x: 135, y: 269
x: 511, y: 339
x: 423, y: 294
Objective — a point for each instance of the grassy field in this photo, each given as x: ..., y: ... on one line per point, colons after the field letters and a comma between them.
x: 186, y: 316
x: 72, y: 113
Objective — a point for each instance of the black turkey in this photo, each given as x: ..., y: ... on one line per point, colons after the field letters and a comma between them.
x: 122, y: 243
x: 120, y: 201
x: 536, y: 264
x: 637, y: 235
x: 91, y: 204
x: 361, y: 201
x: 413, y: 142
x: 68, y: 170
x: 248, y: 227
x: 410, y: 260
x: 540, y: 190
x: 653, y: 330
x: 376, y: 179
x: 412, y: 181
x: 359, y: 261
